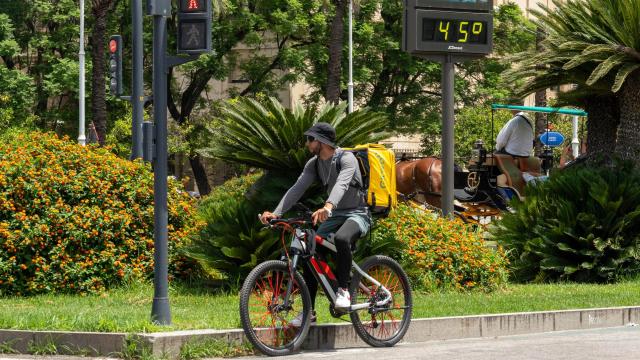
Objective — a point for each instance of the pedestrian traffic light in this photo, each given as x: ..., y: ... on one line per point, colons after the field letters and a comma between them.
x: 115, y: 65
x: 194, y: 26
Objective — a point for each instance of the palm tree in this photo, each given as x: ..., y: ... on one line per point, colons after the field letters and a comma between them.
x: 592, y: 44
x: 336, y: 42
x: 100, y: 10
x: 270, y: 136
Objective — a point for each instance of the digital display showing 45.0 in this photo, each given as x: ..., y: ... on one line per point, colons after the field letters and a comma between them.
x: 454, y: 31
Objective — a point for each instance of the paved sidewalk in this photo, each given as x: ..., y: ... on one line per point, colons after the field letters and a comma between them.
x: 594, y: 344
x: 336, y: 336
x: 49, y: 357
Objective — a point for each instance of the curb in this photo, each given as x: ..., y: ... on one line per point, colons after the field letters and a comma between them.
x: 330, y: 336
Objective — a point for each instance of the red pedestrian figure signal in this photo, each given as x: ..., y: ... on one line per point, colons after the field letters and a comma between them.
x: 113, y: 46
x: 192, y: 6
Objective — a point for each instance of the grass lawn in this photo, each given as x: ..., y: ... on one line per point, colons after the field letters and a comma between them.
x: 128, y: 309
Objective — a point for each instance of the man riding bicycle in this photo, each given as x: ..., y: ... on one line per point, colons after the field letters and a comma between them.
x: 344, y: 216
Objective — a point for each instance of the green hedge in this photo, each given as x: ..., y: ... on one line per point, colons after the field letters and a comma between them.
x: 232, y: 241
x: 438, y: 253
x: 79, y: 219
x: 583, y: 224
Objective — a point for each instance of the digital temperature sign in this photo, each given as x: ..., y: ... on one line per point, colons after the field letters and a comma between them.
x: 436, y: 28
x: 454, y: 31
x: 479, y: 5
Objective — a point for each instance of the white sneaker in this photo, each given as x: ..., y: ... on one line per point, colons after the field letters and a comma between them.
x: 343, y: 299
x: 297, y: 321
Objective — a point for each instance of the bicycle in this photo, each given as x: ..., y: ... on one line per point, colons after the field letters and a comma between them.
x: 275, y: 292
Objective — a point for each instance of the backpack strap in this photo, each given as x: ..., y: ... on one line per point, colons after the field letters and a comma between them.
x: 354, y: 182
x: 527, y: 121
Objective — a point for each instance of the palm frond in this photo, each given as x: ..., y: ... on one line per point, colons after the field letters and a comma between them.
x: 269, y: 136
x: 605, y: 67
x: 622, y: 74
x: 586, y: 41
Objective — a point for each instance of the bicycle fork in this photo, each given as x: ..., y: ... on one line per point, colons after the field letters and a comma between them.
x: 293, y: 265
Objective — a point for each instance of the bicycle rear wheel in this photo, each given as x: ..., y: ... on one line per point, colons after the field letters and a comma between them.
x: 381, y: 325
x: 265, y: 318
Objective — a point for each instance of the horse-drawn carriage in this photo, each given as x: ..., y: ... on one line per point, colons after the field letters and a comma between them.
x: 482, y: 190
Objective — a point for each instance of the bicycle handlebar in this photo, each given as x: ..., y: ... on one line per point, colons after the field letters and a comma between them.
x: 302, y: 220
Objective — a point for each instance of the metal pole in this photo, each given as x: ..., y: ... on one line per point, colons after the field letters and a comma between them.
x: 137, y: 96
x: 82, y: 139
x: 448, y: 74
x: 160, y: 311
x: 575, y: 142
x: 350, y: 84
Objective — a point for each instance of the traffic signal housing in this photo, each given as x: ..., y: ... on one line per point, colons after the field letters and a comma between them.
x: 115, y: 65
x: 194, y: 26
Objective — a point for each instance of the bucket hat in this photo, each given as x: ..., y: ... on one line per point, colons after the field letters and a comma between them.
x: 323, y: 132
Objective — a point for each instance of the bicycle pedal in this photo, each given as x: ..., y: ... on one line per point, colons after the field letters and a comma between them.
x: 337, y: 313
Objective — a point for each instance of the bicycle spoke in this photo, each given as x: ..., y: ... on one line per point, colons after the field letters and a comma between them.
x: 384, y: 324
x: 267, y: 314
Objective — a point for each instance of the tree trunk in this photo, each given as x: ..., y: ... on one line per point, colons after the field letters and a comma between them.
x: 334, y: 70
x: 602, y: 125
x: 200, y: 175
x: 627, y: 144
x: 41, y: 96
x: 188, y: 101
x: 99, y: 10
x: 540, y: 99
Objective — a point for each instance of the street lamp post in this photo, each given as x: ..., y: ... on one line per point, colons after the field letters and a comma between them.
x: 137, y: 82
x: 81, y: 133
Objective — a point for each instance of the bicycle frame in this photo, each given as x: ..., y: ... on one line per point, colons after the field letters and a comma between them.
x: 322, y: 272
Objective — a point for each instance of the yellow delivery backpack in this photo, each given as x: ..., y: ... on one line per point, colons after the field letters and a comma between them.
x: 378, y: 168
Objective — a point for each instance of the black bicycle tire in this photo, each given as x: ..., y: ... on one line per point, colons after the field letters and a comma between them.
x: 406, y: 319
x: 245, y: 292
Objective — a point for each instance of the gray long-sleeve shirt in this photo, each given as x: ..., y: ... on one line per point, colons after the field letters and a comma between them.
x: 341, y: 194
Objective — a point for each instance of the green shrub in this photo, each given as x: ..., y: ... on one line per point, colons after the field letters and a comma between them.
x: 17, y: 96
x: 232, y: 241
x: 583, y: 224
x: 442, y: 253
x: 79, y: 219
x: 119, y: 136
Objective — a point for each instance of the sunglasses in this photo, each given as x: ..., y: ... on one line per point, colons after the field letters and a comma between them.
x: 310, y: 138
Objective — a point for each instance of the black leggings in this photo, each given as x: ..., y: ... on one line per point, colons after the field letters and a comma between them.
x: 348, y: 233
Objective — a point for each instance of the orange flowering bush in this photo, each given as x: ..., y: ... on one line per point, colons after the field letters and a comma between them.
x: 79, y: 219
x: 442, y: 253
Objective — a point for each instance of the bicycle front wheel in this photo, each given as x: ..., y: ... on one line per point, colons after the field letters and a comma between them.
x: 381, y: 325
x: 266, y: 318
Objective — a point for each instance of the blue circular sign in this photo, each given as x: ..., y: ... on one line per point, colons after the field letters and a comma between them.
x: 552, y: 138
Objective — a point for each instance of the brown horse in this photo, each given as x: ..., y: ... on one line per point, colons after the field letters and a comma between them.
x: 420, y: 179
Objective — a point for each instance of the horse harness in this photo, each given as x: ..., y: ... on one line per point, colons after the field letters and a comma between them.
x: 429, y: 190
